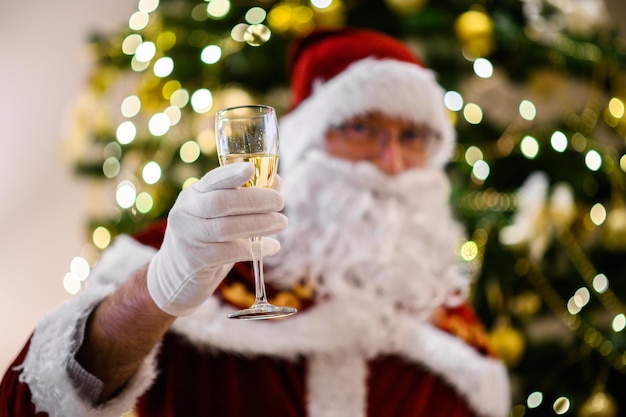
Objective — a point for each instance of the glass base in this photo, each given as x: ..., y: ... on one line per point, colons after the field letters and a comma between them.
x: 262, y: 311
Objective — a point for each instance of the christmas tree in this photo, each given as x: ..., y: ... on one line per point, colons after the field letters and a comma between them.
x: 537, y: 92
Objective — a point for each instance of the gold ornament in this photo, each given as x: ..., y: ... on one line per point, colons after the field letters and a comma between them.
x: 474, y: 29
x: 293, y: 19
x: 508, y: 343
x: 405, y: 6
x: 285, y: 298
x: 599, y: 404
x: 237, y: 294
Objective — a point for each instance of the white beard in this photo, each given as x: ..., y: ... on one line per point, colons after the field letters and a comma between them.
x: 356, y: 233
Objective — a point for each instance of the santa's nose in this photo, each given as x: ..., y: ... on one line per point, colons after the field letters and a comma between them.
x: 391, y: 159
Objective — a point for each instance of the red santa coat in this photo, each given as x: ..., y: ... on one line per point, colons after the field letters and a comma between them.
x: 315, y: 364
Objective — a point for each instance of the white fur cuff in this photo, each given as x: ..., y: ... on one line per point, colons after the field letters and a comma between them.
x: 53, y: 342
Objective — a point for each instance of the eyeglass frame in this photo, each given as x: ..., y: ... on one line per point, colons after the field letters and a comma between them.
x: 379, y: 137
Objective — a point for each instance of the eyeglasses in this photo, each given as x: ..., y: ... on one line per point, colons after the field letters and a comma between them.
x: 367, y: 139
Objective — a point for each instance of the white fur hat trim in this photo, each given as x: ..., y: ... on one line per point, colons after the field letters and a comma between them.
x: 394, y: 87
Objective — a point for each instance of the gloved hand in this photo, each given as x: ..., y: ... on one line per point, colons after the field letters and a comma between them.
x: 207, y: 232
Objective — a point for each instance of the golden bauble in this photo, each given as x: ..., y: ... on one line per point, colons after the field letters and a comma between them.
x: 474, y: 29
x: 508, y: 343
x: 600, y: 404
x: 405, y: 6
x: 294, y: 19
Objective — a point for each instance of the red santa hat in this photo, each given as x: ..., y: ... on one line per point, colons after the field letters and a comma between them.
x: 338, y: 74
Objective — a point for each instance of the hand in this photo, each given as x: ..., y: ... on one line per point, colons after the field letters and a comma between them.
x: 207, y: 232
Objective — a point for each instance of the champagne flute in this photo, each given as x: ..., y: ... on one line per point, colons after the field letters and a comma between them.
x: 250, y: 134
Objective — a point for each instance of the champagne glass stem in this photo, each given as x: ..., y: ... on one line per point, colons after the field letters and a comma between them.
x: 256, y: 245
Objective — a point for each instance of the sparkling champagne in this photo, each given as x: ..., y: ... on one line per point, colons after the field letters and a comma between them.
x: 265, y: 167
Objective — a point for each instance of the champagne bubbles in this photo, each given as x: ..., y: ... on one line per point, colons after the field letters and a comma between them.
x: 257, y: 35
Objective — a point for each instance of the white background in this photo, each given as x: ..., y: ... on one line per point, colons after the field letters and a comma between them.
x: 43, y: 205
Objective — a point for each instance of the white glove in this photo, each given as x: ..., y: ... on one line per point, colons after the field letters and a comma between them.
x: 207, y: 232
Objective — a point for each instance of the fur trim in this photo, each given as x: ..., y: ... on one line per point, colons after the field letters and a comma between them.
x: 483, y: 381
x: 54, y: 340
x: 394, y: 87
x: 336, y: 386
x: 331, y: 344
x: 361, y: 334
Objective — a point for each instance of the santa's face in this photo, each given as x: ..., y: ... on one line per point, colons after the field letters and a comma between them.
x: 391, y: 144
x: 357, y: 232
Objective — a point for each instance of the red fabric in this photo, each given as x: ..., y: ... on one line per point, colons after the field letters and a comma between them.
x: 195, y: 383
x: 192, y: 383
x: 325, y: 53
x: 152, y: 235
x: 15, y: 397
x: 397, y: 388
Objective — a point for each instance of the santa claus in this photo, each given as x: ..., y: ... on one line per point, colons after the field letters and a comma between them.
x: 384, y: 326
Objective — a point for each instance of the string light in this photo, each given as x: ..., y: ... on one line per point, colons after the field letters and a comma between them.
x: 255, y: 15
x: 202, y: 100
x: 561, y: 405
x: 111, y: 167
x: 148, y: 6
x: 174, y: 114
x: 600, y: 283
x: 163, y: 67
x: 473, y: 113
x: 131, y: 106
x: 144, y: 202
x: 151, y: 173
x: 619, y: 323
x: 138, y: 20
x: 472, y: 155
x: 131, y: 43
x: 145, y: 51
x: 529, y: 146
x: 593, y: 160
x: 159, y: 124
x: 483, y: 68
x: 125, y: 194
x: 211, y: 54
x: 189, y: 151
x: 321, y: 4
x: 597, y: 214
x: 126, y: 132
x: 101, y: 237
x: 218, y: 9
x: 180, y: 98
x: 535, y: 399
x: 480, y: 170
x: 453, y: 100
x: 527, y: 110
x: 616, y: 108
x: 558, y: 140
